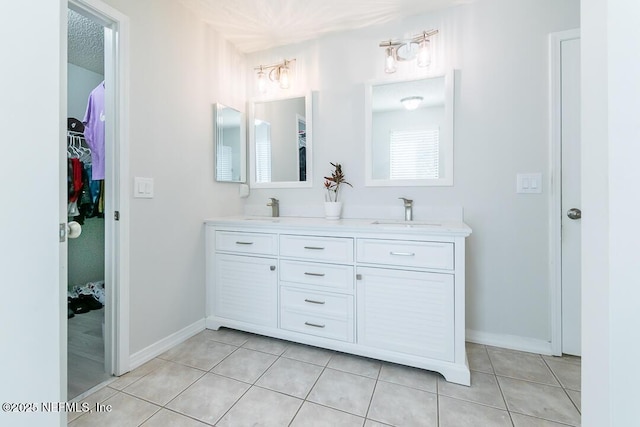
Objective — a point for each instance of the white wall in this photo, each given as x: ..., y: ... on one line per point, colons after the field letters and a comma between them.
x: 80, y: 83
x: 179, y: 68
x: 501, y: 128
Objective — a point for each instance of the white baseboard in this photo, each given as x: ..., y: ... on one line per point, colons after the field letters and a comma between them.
x: 159, y: 347
x: 513, y: 342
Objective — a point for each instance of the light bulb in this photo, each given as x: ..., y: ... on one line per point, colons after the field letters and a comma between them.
x: 262, y: 82
x: 390, y: 61
x: 424, y: 56
x: 284, y: 77
x: 411, y: 102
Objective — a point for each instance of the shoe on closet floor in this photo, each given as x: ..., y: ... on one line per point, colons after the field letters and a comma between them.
x: 90, y: 301
x: 78, y: 306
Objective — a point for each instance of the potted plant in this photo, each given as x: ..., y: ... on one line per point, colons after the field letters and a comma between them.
x: 332, y: 206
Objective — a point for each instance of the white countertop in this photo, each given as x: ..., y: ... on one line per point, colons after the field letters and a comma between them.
x: 363, y: 225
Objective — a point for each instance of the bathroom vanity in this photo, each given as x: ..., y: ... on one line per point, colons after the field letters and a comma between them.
x: 390, y: 290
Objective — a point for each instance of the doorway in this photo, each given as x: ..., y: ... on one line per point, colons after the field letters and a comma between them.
x: 565, y: 212
x: 86, y: 143
x: 98, y: 338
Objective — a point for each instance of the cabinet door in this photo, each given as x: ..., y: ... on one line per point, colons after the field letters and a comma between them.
x: 406, y: 311
x: 246, y: 289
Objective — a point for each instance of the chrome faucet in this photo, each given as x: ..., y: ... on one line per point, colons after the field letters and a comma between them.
x: 408, y: 209
x: 275, y: 207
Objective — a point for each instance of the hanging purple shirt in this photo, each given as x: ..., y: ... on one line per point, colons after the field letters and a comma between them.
x: 94, y: 130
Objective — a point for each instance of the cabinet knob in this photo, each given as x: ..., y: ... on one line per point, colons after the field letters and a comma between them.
x: 574, y: 213
x: 358, y: 276
x: 272, y: 267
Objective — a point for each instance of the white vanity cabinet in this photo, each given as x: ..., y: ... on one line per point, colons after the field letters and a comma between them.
x: 392, y: 293
x: 406, y: 300
x: 316, y: 286
x: 245, y: 276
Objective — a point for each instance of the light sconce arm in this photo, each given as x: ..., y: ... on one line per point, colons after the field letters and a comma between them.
x: 279, y: 72
x: 417, y: 47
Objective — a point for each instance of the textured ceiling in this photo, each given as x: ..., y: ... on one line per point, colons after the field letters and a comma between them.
x: 85, y: 41
x: 254, y: 25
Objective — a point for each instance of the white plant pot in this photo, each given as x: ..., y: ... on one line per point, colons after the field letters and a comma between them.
x: 332, y: 210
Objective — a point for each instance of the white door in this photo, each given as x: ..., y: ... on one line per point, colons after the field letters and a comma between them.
x: 570, y: 199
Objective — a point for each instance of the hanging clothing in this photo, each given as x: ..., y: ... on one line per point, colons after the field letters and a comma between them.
x: 75, y: 179
x: 94, y: 121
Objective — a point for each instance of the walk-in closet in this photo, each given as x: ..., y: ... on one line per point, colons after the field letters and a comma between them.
x: 86, y: 173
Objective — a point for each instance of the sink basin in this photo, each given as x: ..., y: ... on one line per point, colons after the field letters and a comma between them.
x: 407, y: 224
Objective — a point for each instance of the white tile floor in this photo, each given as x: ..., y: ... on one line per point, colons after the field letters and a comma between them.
x: 230, y: 378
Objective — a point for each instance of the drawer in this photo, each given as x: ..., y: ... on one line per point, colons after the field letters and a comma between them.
x: 337, y: 249
x: 325, y: 327
x: 317, y: 303
x: 247, y: 243
x: 406, y: 253
x: 334, y: 276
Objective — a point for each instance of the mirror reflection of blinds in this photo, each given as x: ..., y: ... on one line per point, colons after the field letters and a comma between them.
x: 263, y: 151
x: 225, y: 171
x: 414, y: 154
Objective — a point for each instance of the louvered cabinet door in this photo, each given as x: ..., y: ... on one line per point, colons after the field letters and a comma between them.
x: 406, y: 311
x: 246, y: 289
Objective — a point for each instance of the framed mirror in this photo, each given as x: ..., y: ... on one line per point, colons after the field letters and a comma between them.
x: 280, y: 142
x: 409, y: 132
x: 230, y: 144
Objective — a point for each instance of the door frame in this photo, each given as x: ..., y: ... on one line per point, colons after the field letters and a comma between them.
x: 555, y: 206
x: 117, y: 180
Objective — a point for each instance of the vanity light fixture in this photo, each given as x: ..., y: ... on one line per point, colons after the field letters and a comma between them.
x: 417, y: 48
x: 411, y: 102
x: 279, y: 72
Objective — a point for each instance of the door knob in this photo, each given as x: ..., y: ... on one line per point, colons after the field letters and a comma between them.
x: 574, y: 213
x: 74, y: 230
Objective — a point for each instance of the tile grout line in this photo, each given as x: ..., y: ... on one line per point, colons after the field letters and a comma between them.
x: 310, y: 389
x: 150, y: 416
x: 164, y: 406
x: 251, y: 385
x: 563, y: 387
x: 495, y: 375
x: 375, y: 386
x: 560, y: 386
x: 325, y: 367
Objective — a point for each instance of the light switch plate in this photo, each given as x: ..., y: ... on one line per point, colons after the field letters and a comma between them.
x: 142, y: 188
x: 529, y: 183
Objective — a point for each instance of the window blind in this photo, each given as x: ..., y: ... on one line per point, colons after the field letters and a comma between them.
x: 225, y: 167
x: 414, y: 154
x: 263, y: 151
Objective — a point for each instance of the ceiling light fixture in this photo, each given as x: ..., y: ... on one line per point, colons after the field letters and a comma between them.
x: 279, y: 72
x: 411, y: 102
x: 417, y: 47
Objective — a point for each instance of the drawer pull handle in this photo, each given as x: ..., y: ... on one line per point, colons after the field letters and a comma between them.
x: 315, y: 248
x: 313, y: 301
x: 402, y: 253
x: 244, y: 243
x: 315, y: 325
x: 314, y: 274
